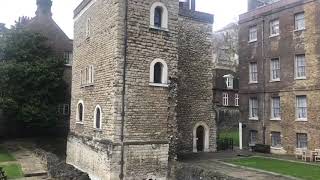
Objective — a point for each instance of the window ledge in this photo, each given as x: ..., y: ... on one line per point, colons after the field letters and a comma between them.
x: 274, y: 35
x: 252, y: 41
x: 275, y: 119
x: 300, y: 78
x: 158, y: 85
x: 80, y: 123
x: 274, y: 80
x: 97, y: 130
x: 68, y: 65
x: 301, y: 120
x: 253, y: 82
x: 158, y: 28
x: 87, y: 85
x: 253, y: 119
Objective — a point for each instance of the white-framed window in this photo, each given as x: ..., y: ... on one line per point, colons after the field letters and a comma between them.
x: 253, y: 134
x: 225, y: 99
x: 301, y: 108
x: 68, y: 56
x: 253, y: 108
x: 275, y: 69
x: 276, y: 140
x: 229, y: 81
x: 80, y: 112
x: 158, y: 73
x: 299, y: 21
x: 253, y: 72
x: 275, y: 108
x: 88, y: 27
x: 236, y: 99
x: 253, y: 34
x: 274, y: 27
x: 302, y: 140
x: 300, y: 66
x: 64, y: 109
x: 87, y: 76
x: 159, y: 16
x: 91, y: 74
x: 98, y: 117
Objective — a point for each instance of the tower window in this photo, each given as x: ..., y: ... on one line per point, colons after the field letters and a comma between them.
x: 97, y: 117
x: 80, y: 112
x: 158, y: 17
x: 157, y: 73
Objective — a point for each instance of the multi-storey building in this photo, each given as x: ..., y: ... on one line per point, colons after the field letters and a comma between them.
x: 279, y: 71
x: 225, y: 72
x: 141, y: 87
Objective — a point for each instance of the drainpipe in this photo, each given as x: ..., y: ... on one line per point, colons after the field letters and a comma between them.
x: 121, y: 176
x: 264, y: 84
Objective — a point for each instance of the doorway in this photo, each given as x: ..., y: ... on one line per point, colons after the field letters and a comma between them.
x: 200, y: 139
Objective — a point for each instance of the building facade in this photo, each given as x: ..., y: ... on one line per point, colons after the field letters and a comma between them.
x: 226, y: 78
x: 141, y: 87
x: 279, y: 71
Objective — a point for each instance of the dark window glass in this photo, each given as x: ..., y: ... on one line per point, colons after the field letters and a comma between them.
x: 158, y: 73
x: 80, y: 112
x: 157, y: 16
x: 98, y: 118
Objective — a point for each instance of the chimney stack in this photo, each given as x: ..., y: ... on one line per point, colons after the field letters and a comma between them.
x: 44, y: 8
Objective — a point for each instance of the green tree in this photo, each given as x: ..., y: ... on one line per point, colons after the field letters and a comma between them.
x: 31, y: 80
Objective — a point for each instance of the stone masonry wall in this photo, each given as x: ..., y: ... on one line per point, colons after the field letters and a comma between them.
x: 195, y: 92
x: 285, y: 46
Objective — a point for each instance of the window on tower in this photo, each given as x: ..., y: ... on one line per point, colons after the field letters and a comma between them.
x: 159, y: 73
x: 159, y: 16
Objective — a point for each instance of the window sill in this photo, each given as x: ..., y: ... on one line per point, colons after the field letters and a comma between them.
x: 301, y: 120
x: 158, y: 85
x: 274, y: 35
x: 159, y: 28
x: 299, y: 30
x: 97, y: 130
x: 275, y: 119
x: 80, y: 123
x: 300, y: 78
x: 252, y: 41
x: 253, y: 119
x: 253, y: 82
x: 68, y: 65
x: 87, y: 85
x: 274, y: 80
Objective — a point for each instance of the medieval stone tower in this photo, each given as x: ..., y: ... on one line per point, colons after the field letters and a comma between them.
x: 128, y: 116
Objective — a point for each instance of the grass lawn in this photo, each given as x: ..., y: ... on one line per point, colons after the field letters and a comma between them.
x: 12, y: 170
x: 5, y: 155
x: 299, y: 170
x: 230, y: 134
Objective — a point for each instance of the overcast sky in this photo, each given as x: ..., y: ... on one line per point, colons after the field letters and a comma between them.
x: 225, y: 11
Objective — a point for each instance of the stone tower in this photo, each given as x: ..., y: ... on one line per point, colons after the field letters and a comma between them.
x: 124, y: 88
x: 44, y: 8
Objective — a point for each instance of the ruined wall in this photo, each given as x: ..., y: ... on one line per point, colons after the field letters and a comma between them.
x: 285, y: 46
x: 195, y: 92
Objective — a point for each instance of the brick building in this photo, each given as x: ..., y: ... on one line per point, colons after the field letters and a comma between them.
x: 225, y: 72
x: 141, y: 87
x: 279, y: 71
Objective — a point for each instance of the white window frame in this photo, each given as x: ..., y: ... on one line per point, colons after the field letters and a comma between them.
x: 301, y: 108
x: 253, y: 34
x: 253, y: 73
x: 298, y: 142
x: 273, y: 100
x: 272, y: 136
x: 77, y: 112
x: 274, y: 27
x: 236, y: 99
x: 275, y: 69
x: 229, y: 81
x: 299, y: 18
x: 225, y: 99
x: 164, y: 74
x: 88, y: 28
x: 296, y: 67
x: 91, y: 74
x: 253, y: 101
x: 164, y: 17
x: 95, y: 116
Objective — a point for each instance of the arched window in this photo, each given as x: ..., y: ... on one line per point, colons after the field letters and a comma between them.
x: 98, y: 117
x: 159, y: 16
x: 80, y: 112
x: 158, y: 73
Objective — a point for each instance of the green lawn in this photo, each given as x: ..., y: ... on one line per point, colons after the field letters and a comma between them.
x: 12, y: 170
x: 5, y: 155
x: 230, y: 134
x: 299, y: 170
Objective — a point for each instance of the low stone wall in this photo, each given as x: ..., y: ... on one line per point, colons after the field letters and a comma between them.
x: 184, y: 171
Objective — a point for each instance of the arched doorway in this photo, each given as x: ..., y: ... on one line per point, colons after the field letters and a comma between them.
x: 200, y: 139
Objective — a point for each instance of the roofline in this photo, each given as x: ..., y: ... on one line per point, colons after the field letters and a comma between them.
x: 80, y: 7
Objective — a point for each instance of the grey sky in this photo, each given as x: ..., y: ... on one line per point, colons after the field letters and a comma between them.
x: 225, y: 11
